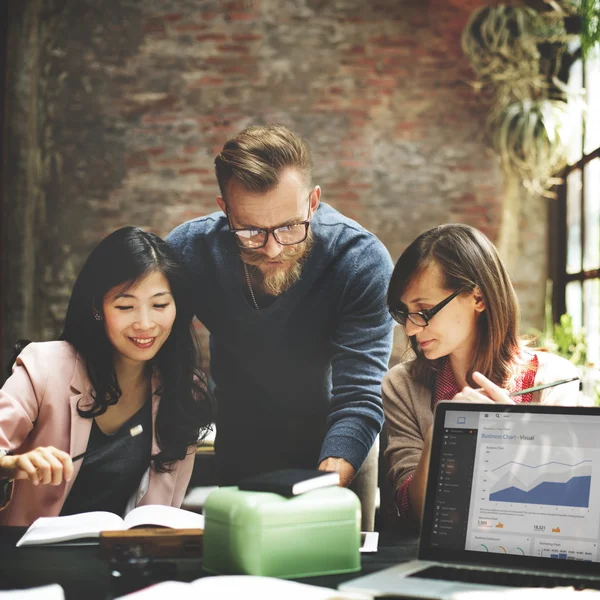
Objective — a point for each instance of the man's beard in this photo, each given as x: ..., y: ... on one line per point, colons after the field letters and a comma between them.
x: 276, y: 280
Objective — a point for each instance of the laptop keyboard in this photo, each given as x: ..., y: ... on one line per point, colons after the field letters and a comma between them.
x: 506, y: 579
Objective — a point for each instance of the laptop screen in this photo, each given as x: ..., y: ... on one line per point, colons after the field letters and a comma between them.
x: 513, y: 485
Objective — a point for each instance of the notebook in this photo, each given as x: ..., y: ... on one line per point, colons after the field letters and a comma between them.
x: 512, y: 500
x: 290, y: 482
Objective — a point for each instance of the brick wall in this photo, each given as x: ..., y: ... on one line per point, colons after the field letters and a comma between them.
x: 125, y: 104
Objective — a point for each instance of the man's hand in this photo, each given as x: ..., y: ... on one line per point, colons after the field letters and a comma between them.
x: 342, y: 466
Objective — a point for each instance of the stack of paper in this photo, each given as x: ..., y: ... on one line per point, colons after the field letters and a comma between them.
x: 241, y: 586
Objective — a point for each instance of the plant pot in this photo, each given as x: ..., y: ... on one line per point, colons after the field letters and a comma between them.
x: 572, y: 24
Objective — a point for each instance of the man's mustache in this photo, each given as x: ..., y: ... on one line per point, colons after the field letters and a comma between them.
x: 258, y: 259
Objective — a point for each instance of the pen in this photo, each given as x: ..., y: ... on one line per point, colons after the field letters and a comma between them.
x: 542, y: 386
x: 132, y: 432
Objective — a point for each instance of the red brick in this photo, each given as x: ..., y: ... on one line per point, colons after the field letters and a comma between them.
x: 239, y: 48
x: 190, y: 28
x: 382, y: 82
x: 247, y: 37
x: 206, y: 81
x: 193, y: 171
x: 137, y: 160
x: 221, y: 61
x: 355, y: 164
x: 233, y: 68
x: 172, y: 17
x: 211, y: 37
x: 388, y: 42
x: 155, y: 26
x: 366, y: 102
x: 155, y: 151
x: 355, y: 50
x: 151, y: 118
x: 173, y: 162
x: 364, y: 62
x: 241, y: 16
x: 407, y: 126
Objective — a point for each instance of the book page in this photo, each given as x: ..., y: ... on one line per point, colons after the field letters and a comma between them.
x: 44, y: 592
x: 267, y: 588
x: 165, y: 516
x: 162, y: 590
x: 47, y: 530
x: 242, y: 586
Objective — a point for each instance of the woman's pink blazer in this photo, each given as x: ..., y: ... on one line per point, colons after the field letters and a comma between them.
x: 38, y: 407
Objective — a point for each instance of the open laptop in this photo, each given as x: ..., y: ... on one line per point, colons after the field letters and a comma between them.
x: 512, y: 500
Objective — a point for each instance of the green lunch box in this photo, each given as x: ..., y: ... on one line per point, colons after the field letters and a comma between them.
x: 260, y: 533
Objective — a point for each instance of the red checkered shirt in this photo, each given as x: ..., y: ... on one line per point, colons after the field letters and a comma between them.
x: 445, y: 389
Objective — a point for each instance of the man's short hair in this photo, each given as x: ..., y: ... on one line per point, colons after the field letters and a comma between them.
x: 256, y: 156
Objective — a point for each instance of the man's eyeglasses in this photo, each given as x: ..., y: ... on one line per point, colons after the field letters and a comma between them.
x: 286, y: 235
x: 422, y: 318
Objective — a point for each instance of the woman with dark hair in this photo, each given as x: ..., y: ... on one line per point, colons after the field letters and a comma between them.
x: 127, y: 357
x: 453, y: 296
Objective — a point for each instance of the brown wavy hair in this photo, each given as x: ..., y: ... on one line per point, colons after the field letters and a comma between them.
x: 256, y: 156
x: 468, y: 259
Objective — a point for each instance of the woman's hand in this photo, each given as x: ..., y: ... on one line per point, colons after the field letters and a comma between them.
x: 45, y: 465
x: 489, y: 393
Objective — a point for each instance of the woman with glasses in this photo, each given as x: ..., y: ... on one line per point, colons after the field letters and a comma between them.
x: 453, y: 296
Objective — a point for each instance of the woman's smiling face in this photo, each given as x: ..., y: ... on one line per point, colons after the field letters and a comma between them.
x: 138, y: 320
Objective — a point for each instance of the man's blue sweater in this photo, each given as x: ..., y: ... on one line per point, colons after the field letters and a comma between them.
x: 300, y: 380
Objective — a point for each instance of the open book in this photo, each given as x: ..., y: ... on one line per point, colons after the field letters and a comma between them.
x: 53, y: 530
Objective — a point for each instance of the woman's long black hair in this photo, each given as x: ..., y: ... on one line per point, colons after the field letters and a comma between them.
x: 124, y: 258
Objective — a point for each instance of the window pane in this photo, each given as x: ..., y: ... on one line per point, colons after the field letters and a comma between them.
x: 573, y: 293
x: 591, y: 252
x: 574, y: 222
x: 591, y: 295
x: 592, y: 127
x: 576, y: 111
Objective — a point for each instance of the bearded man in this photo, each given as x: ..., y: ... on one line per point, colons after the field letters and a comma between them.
x: 294, y: 296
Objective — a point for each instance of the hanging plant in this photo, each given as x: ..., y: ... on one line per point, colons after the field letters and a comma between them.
x: 500, y: 42
x: 529, y: 104
x: 530, y: 137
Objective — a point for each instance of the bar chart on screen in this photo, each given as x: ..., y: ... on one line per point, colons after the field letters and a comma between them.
x: 566, y: 549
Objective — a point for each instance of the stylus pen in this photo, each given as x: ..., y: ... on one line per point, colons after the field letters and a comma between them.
x: 543, y: 386
x: 132, y: 432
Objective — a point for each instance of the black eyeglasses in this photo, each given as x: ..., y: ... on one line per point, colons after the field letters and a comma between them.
x: 421, y: 318
x: 286, y: 235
